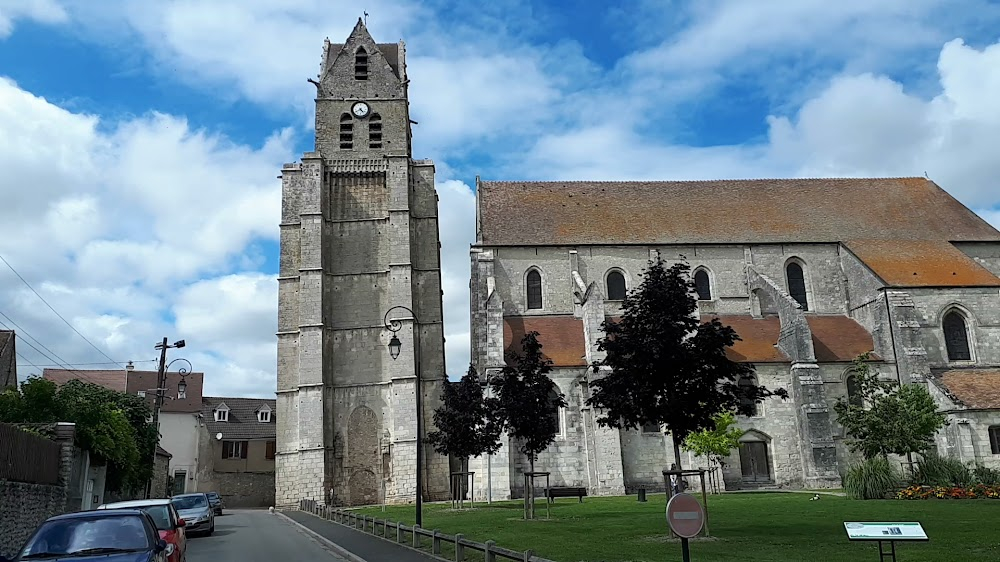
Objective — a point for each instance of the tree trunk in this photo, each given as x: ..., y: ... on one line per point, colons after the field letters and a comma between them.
x: 677, y: 452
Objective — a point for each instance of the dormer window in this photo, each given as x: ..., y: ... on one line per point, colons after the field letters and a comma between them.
x: 361, y: 64
x: 264, y: 414
x: 222, y: 413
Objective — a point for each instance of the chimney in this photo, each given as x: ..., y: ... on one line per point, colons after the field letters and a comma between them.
x: 130, y: 367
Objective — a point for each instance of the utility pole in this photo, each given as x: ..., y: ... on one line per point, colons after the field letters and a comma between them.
x: 161, y: 388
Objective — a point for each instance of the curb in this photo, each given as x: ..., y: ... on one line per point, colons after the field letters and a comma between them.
x: 336, y: 548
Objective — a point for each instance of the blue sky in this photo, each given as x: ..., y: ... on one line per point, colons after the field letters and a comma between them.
x: 141, y: 140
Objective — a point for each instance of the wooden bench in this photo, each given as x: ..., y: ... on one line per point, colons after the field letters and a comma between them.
x: 565, y: 492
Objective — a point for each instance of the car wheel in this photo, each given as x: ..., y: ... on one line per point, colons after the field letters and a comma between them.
x: 211, y: 529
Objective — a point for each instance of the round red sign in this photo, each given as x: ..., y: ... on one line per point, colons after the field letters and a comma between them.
x: 685, y: 515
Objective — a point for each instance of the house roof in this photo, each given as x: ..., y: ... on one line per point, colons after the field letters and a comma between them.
x: 973, y: 388
x: 139, y: 381
x: 242, y: 422
x: 835, y: 338
x: 921, y: 263
x: 160, y: 451
x: 513, y: 213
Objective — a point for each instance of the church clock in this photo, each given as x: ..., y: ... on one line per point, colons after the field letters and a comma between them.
x: 360, y: 109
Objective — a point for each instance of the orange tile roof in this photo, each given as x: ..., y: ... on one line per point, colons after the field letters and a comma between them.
x: 723, y: 211
x: 114, y: 379
x: 835, y: 338
x: 975, y: 388
x: 561, y: 337
x: 921, y: 263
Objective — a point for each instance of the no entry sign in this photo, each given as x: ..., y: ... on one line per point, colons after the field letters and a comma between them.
x: 685, y: 515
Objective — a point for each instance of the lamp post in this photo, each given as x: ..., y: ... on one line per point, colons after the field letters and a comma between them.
x: 161, y: 383
x: 395, y: 345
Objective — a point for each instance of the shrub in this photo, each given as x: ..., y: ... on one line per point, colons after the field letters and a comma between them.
x: 938, y: 471
x: 986, y: 476
x: 978, y: 491
x: 871, y: 479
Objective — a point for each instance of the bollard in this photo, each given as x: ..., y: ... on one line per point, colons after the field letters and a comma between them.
x: 642, y: 494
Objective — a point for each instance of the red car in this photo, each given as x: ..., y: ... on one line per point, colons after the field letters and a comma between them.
x: 168, y: 523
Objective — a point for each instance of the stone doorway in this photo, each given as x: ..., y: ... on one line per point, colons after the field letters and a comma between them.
x: 755, y: 461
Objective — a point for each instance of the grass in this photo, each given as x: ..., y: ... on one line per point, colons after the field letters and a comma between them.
x: 745, y: 527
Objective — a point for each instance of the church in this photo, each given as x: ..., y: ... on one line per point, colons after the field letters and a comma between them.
x: 810, y: 273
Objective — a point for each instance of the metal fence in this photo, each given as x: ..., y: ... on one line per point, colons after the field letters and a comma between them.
x: 27, y: 458
x: 412, y: 535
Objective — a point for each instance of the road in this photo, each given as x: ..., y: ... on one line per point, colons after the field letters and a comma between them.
x: 256, y: 536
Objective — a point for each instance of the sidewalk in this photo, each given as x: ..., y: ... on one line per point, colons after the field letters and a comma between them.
x: 361, y: 545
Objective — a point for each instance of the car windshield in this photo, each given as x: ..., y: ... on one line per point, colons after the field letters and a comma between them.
x: 213, y: 496
x: 92, y: 534
x: 160, y: 515
x: 190, y: 502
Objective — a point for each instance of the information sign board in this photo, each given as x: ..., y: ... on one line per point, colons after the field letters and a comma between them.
x: 859, y: 531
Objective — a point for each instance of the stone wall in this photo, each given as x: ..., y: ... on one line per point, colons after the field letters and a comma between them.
x: 245, y: 489
x: 22, y: 508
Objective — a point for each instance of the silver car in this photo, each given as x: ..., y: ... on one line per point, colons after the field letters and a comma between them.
x: 196, y: 511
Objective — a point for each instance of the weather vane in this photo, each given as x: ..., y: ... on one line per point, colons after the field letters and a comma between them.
x: 366, y: 18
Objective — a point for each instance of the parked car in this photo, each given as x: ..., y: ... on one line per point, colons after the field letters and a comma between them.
x: 196, y: 511
x: 168, y: 522
x: 110, y: 535
x: 216, y: 502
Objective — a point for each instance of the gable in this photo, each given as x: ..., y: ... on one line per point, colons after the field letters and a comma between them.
x: 385, y: 68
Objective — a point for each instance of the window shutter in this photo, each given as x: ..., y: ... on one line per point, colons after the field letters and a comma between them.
x: 243, y: 449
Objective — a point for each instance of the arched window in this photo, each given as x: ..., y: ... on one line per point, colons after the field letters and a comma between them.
x: 748, y: 405
x: 702, y: 285
x: 555, y: 412
x: 616, y: 285
x: 346, y: 132
x: 797, y: 284
x: 995, y: 439
x: 375, y: 131
x: 854, y: 392
x: 956, y: 337
x: 534, y: 282
x: 361, y: 64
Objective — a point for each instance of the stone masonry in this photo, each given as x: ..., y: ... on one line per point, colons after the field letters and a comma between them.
x: 359, y: 236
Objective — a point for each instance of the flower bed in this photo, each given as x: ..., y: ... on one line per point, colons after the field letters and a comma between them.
x: 978, y: 491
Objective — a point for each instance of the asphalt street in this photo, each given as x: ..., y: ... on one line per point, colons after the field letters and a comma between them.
x: 256, y: 536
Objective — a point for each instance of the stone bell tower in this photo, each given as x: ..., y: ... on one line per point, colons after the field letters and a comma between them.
x: 359, y: 236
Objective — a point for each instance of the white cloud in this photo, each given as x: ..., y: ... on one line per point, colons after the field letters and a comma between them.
x: 457, y: 225
x: 133, y: 225
x: 45, y: 11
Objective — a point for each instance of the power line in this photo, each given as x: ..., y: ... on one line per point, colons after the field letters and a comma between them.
x: 108, y: 357
x: 62, y: 365
x: 91, y: 364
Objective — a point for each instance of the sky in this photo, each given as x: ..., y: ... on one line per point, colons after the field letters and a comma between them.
x: 140, y: 141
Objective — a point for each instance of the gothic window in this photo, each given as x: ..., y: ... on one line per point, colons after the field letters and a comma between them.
x: 534, y: 282
x: 956, y: 337
x: 797, y: 284
x: 702, y: 285
x: 375, y: 131
x: 556, y: 413
x: 853, y: 392
x: 616, y: 285
x: 995, y: 439
x: 346, y: 131
x: 748, y: 405
x: 361, y: 64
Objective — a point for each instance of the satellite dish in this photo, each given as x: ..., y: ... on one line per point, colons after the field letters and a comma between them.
x: 218, y: 436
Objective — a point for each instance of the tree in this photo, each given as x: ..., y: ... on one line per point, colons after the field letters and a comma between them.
x: 715, y: 443
x: 110, y: 425
x: 888, y: 418
x: 467, y: 422
x: 665, y: 368
x: 527, y: 399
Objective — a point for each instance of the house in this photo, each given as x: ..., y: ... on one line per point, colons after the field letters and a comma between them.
x: 179, y: 415
x: 237, y: 450
x: 8, y: 360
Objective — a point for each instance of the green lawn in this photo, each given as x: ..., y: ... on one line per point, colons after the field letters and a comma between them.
x: 744, y: 527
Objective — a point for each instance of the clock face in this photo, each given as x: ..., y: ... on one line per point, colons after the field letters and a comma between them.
x: 360, y: 109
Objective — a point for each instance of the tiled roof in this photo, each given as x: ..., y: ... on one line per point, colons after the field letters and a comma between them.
x: 723, y: 211
x: 162, y: 452
x: 921, y: 263
x: 974, y: 388
x: 835, y: 338
x: 561, y: 337
x: 144, y: 381
x: 242, y: 422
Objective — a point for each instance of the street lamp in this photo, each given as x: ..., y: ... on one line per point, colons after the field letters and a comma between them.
x: 395, y: 345
x: 182, y: 385
x: 161, y: 377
